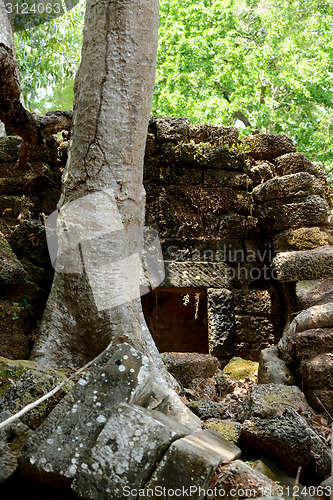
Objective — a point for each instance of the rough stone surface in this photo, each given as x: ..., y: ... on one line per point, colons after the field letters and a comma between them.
x: 297, y: 185
x: 327, y: 487
x: 20, y: 308
x: 236, y: 180
x: 290, y: 442
x: 221, y: 324
x: 192, y: 461
x: 314, y: 292
x: 186, y: 366
x: 121, y: 374
x: 238, y: 481
x: 14, y: 344
x: 12, y: 439
x: 240, y: 369
x: 28, y: 239
x: 313, y: 342
x: 181, y: 176
x: 317, y: 374
x: 261, y: 173
x: 229, y: 429
x: 253, y: 302
x: 126, y: 451
x: 269, y: 469
x: 11, y: 270
x: 196, y: 274
x: 207, y: 409
x: 270, y: 400
x: 304, y: 265
x: 252, y: 334
x: 212, y: 157
x: 171, y: 129
x: 22, y: 382
x: 278, y: 215
x: 215, y: 134
x: 267, y: 146
x: 272, y: 369
x: 304, y: 238
x: 292, y: 163
x: 315, y: 317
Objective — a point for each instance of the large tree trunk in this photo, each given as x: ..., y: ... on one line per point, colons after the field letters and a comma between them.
x: 6, y: 37
x: 96, y: 301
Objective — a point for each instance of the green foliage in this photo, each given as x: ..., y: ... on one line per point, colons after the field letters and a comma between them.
x: 270, y: 61
x: 48, y: 56
x: 26, y: 302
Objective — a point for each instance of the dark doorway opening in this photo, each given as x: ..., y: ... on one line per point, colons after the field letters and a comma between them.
x: 177, y: 319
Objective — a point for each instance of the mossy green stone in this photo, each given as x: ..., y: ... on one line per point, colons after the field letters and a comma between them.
x: 240, y: 369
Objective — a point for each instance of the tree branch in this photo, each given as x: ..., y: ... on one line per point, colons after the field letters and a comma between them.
x: 33, y: 129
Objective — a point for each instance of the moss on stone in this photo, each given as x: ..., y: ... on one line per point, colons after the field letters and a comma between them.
x: 23, y: 382
x: 229, y: 429
x: 240, y: 369
x: 305, y: 238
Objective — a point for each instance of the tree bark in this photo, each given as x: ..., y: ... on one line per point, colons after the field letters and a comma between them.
x: 96, y: 301
x: 6, y: 37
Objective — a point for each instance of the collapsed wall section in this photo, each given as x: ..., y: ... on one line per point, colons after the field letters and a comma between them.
x: 223, y: 209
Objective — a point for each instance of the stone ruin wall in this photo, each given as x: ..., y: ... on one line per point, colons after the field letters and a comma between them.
x: 222, y: 211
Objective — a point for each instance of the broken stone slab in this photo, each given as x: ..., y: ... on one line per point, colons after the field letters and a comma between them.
x: 11, y: 270
x: 290, y: 442
x: 278, y: 215
x: 237, y: 481
x: 125, y: 453
x: 292, y: 163
x: 268, y: 146
x: 12, y: 440
x: 314, y: 317
x: 314, y: 292
x: 171, y: 129
x: 229, y: 429
x: 272, y: 369
x: 121, y: 374
x: 186, y: 366
x: 221, y: 322
x: 304, y: 238
x: 296, y: 185
x: 190, y: 462
x: 197, y: 274
x: 270, y: 400
x: 22, y: 382
x: 304, y: 265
